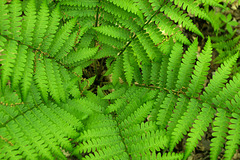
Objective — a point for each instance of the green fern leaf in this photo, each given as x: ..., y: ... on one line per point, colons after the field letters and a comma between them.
x: 187, y: 65
x: 218, y: 80
x: 68, y: 45
x: 199, y: 127
x: 4, y: 18
x: 51, y: 30
x: 59, y: 82
x: 138, y: 116
x: 146, y: 71
x: 166, y: 110
x: 234, y: 136
x: 180, y: 18
x: 178, y: 113
x: 152, y: 141
x: 8, y: 59
x: 173, y: 65
x: 27, y: 74
x: 80, y: 55
x: 29, y: 23
x: 61, y: 37
x: 128, y: 6
x: 192, y: 8
x: 155, y: 72
x: 139, y: 52
x: 184, y: 123
x: 114, y: 32
x: 148, y: 44
x: 117, y: 70
x: 52, y: 84
x: 228, y: 93
x: 41, y: 24
x: 200, y: 72
x: 220, y: 133
x: 41, y: 79
x: 15, y: 20
x: 19, y: 65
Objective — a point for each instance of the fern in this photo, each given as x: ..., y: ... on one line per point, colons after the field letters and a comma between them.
x: 115, y: 79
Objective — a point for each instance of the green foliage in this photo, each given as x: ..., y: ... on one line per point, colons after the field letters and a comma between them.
x: 115, y: 79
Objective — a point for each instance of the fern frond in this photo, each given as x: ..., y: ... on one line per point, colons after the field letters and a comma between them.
x: 41, y: 24
x: 145, y: 8
x: 138, y: 116
x: 80, y: 55
x: 61, y: 37
x: 146, y: 71
x: 128, y: 6
x: 220, y: 132
x: 41, y: 79
x: 139, y: 129
x: 154, y: 33
x: 111, y: 41
x: 192, y: 8
x: 37, y: 129
x: 114, y: 32
x: 52, y: 82
x: 59, y: 82
x: 233, y: 137
x: 178, y: 112
x: 166, y: 110
x: 218, y: 80
x: 200, y: 72
x: 228, y: 92
x: 147, y: 44
x: 67, y: 46
x: 4, y: 18
x: 8, y: 57
x: 171, y: 156
x: 117, y: 70
x: 187, y: 65
x: 115, y: 152
x: 127, y: 66
x: 69, y: 83
x: 139, y: 52
x: 29, y: 23
x: 15, y: 20
x: 52, y: 29
x: 155, y: 72
x: 233, y: 105
x: 19, y: 65
x: 27, y: 74
x: 185, y: 122
x: 152, y: 141
x: 173, y: 65
x: 199, y: 127
x: 175, y: 14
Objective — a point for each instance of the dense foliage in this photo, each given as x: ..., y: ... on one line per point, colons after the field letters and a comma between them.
x: 116, y: 79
